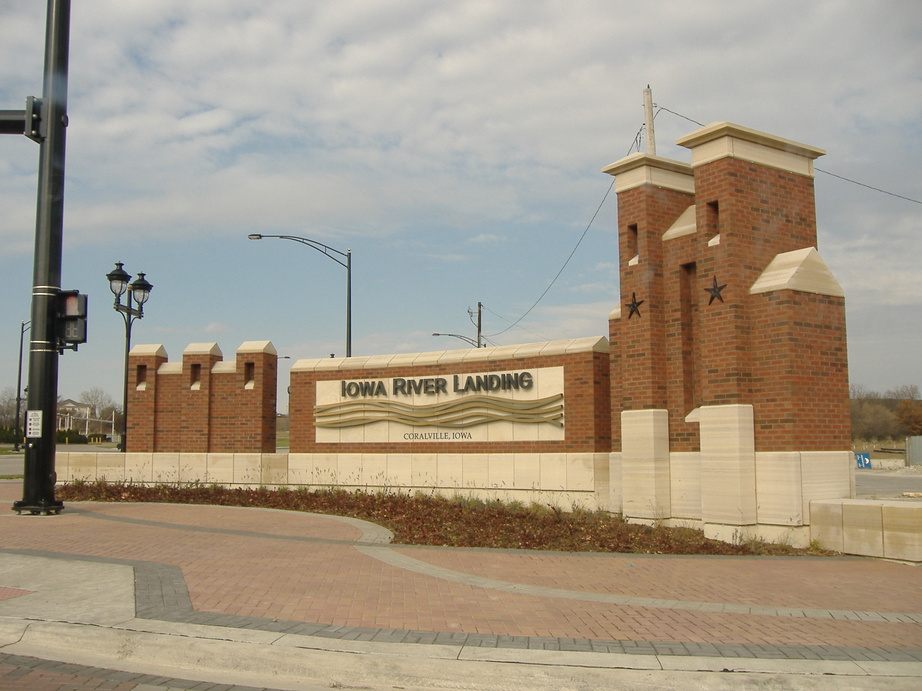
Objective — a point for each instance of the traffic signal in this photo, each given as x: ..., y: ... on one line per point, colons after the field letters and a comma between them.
x: 71, y: 317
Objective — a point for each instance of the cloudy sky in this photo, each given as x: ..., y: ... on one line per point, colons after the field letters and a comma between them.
x: 455, y: 147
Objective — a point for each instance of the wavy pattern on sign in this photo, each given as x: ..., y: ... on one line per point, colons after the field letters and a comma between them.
x: 464, y: 412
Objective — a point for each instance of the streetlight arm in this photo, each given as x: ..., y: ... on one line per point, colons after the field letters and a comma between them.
x: 326, y: 250
x: 319, y: 246
x: 466, y: 339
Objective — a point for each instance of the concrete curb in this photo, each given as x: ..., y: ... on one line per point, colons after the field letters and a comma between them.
x: 289, y: 661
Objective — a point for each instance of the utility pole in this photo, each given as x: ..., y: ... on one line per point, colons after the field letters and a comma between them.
x: 648, y: 120
x: 44, y: 121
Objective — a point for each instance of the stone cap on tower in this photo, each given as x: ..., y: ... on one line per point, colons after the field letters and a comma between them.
x: 726, y: 140
x: 646, y: 169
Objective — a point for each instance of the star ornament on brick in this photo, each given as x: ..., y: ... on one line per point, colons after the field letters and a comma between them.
x: 634, y: 306
x: 714, y: 290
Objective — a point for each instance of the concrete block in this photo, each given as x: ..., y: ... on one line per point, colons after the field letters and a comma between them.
x: 301, y: 468
x: 82, y: 466
x: 826, y: 475
x: 325, y: 468
x: 475, y: 470
x: 615, y: 483
x: 399, y: 470
x: 862, y: 527
x: 778, y: 488
x: 424, y: 469
x: 601, y: 483
x: 193, y: 467
x: 350, y: 468
x: 552, y: 470
x: 826, y: 524
x: 273, y: 469
x: 728, y: 476
x: 449, y: 472
x: 373, y: 470
x: 645, y: 464
x: 902, y: 528
x: 582, y: 469
x: 139, y: 467
x: 685, y: 484
x: 501, y: 470
x: 165, y: 468
x: 527, y: 472
x: 110, y: 467
x: 247, y: 468
x: 219, y: 468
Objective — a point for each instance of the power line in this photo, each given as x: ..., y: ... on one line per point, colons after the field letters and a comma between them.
x: 819, y: 170
x: 876, y: 189
x: 554, y: 280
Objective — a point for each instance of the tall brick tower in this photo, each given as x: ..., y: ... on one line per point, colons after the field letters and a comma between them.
x: 728, y: 352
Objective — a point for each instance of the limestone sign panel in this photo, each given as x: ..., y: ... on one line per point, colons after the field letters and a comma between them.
x: 518, y: 405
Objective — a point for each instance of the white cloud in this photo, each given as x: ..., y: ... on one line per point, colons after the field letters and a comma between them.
x: 455, y: 147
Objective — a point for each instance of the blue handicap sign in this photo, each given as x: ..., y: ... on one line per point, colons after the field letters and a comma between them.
x: 863, y: 459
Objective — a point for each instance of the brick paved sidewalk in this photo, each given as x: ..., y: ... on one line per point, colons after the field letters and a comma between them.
x: 323, y: 576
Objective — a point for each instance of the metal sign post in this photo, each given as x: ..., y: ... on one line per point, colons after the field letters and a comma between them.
x: 45, y: 121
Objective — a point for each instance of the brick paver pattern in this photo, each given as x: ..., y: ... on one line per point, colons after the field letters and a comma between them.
x: 255, y: 565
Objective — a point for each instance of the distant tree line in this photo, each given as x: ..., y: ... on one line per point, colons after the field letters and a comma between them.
x: 893, y: 414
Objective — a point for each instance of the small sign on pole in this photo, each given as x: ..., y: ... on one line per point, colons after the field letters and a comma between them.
x: 863, y: 460
x: 34, y: 424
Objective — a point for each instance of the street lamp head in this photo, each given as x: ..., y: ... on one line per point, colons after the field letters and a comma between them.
x: 118, y: 280
x: 255, y: 236
x: 140, y: 289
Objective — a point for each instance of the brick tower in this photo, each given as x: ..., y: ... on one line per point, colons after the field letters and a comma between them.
x: 728, y: 352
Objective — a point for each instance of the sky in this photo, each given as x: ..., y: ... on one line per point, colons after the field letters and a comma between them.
x: 454, y: 147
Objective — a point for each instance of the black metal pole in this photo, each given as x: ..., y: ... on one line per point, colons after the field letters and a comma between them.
x: 123, y: 445
x: 22, y: 333
x: 40, y: 477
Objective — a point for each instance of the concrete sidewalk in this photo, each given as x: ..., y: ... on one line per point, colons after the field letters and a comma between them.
x: 152, y: 596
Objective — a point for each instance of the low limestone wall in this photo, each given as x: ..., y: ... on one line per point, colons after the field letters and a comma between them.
x: 873, y: 528
x: 565, y: 480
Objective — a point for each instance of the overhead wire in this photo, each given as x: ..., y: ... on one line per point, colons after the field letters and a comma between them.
x: 636, y: 143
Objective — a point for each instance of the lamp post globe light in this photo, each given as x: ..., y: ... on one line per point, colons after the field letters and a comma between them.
x: 345, y: 262
x: 138, y: 293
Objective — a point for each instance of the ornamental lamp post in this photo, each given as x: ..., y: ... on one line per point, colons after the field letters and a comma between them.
x: 138, y: 293
x: 345, y: 262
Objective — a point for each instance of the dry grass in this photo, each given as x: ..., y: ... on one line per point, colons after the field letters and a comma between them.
x: 431, y: 519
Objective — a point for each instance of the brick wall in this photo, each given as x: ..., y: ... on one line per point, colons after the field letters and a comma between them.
x: 202, y: 404
x: 782, y: 352
x: 586, y: 402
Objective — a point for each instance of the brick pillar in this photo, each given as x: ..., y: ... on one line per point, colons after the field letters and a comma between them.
x: 144, y: 361
x: 754, y: 200
x: 198, y: 360
x: 256, y: 379
x: 652, y: 193
x: 800, y: 356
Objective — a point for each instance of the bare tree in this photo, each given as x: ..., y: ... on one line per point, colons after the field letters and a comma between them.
x: 101, y: 406
x: 906, y: 392
x: 8, y: 407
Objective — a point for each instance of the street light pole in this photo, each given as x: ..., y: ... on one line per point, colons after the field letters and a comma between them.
x: 22, y: 333
x: 45, y: 121
x: 139, y: 292
x: 345, y: 262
